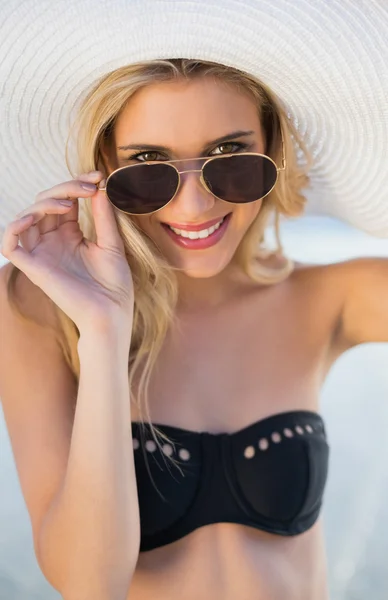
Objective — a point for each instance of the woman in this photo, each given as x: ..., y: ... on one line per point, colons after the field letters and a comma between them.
x: 228, y: 347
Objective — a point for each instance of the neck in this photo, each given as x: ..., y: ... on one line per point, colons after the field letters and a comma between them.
x: 199, y: 294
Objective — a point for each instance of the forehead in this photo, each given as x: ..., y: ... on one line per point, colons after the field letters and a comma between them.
x: 181, y: 113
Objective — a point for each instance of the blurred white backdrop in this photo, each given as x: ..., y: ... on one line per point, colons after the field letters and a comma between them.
x: 354, y: 404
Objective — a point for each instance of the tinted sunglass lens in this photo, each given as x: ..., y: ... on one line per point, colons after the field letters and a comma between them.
x: 240, y: 179
x: 142, y: 189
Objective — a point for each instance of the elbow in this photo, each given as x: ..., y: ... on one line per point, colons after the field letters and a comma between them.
x: 96, y: 589
x: 112, y: 582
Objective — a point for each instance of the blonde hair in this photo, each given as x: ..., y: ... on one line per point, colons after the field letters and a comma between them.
x: 155, y: 283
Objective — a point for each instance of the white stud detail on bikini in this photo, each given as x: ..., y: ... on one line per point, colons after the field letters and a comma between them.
x: 167, y: 449
x: 263, y: 443
x: 184, y: 454
x: 150, y: 446
x: 249, y: 452
x: 288, y: 433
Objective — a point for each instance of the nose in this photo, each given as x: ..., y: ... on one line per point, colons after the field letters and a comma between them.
x: 192, y: 199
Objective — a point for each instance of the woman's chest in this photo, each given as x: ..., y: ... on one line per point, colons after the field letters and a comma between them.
x: 220, y: 371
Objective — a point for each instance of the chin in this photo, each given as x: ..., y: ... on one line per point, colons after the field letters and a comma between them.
x: 202, y: 270
x: 201, y: 274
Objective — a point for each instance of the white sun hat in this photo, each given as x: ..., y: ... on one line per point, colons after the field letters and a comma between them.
x: 327, y: 60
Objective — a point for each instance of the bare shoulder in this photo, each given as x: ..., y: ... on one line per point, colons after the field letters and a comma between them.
x: 32, y: 301
x: 326, y: 281
x: 331, y: 272
x: 358, y: 290
x: 347, y: 272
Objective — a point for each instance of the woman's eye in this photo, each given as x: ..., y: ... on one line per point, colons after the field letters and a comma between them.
x: 229, y: 146
x: 152, y: 155
x: 146, y: 156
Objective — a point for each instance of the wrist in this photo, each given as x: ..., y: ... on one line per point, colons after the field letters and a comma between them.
x: 115, y: 329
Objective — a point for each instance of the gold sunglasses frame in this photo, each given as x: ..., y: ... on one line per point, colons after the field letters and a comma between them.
x: 203, y: 182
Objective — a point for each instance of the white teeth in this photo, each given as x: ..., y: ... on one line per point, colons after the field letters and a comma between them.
x: 196, y: 235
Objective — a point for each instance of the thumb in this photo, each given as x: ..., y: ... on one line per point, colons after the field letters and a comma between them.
x: 107, y: 233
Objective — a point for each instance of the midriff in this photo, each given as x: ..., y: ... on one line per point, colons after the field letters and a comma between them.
x: 230, y: 561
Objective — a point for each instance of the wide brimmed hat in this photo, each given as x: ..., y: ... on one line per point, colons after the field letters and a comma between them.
x: 326, y: 60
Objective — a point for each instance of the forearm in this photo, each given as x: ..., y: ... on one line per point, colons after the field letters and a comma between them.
x: 91, y: 535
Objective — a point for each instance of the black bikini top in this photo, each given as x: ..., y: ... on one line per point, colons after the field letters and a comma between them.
x: 270, y: 475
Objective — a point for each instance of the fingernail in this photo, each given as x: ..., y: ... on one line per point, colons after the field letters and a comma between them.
x: 65, y: 202
x: 90, y: 187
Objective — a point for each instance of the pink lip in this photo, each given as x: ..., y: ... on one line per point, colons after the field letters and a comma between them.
x: 196, y: 227
x: 200, y: 244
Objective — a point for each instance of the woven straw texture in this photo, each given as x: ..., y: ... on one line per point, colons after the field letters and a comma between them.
x: 326, y: 59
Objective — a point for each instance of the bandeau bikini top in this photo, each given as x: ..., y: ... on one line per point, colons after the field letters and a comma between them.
x: 270, y: 475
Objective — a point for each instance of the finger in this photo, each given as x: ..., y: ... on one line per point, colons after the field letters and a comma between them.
x: 70, y: 215
x: 49, y: 221
x: 107, y: 233
x: 45, y: 215
x: 47, y: 224
x: 69, y: 189
x: 29, y: 238
x: 73, y: 215
x: 10, y: 247
x: 91, y: 178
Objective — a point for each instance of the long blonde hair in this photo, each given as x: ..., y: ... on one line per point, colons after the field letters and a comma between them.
x: 154, y: 280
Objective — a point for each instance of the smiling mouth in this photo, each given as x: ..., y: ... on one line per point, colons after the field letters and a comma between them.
x: 198, y: 240
x: 194, y: 226
x: 195, y: 234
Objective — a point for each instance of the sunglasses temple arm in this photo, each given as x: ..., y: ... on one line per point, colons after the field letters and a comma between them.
x: 284, y: 162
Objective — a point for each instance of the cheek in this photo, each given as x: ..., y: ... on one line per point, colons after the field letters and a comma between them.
x: 248, y: 213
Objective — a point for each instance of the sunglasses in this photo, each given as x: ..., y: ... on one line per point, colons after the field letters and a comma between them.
x: 147, y: 187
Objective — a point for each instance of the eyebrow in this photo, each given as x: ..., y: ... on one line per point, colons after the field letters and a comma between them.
x: 223, y: 138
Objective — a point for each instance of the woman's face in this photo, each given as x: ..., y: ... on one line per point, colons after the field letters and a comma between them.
x: 186, y: 118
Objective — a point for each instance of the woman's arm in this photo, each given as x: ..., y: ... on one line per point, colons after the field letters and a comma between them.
x: 364, y: 286
x: 90, y: 538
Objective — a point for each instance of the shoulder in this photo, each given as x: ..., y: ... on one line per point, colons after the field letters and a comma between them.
x: 30, y: 299
x: 346, y: 277
x: 333, y: 273
x: 354, y: 274
x: 364, y: 286
x: 359, y: 288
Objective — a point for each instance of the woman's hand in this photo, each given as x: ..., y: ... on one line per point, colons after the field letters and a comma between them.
x: 90, y: 282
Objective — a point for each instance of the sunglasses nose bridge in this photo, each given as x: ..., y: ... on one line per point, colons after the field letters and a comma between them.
x: 189, y: 165
x: 198, y: 182
x: 183, y: 169
x: 189, y: 171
